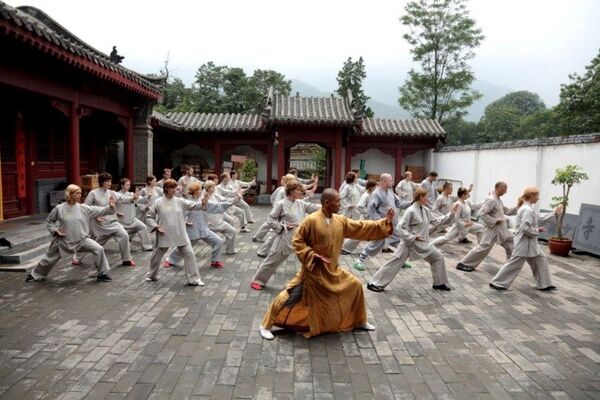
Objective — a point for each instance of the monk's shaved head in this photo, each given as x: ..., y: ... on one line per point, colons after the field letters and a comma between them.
x: 328, y: 194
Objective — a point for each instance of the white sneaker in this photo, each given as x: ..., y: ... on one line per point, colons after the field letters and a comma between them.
x: 367, y: 327
x: 266, y: 333
x: 197, y: 282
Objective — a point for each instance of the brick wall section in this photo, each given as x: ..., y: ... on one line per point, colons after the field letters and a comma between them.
x: 550, y: 141
x: 142, y: 150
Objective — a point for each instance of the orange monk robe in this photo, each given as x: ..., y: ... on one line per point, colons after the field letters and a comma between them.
x: 332, y: 298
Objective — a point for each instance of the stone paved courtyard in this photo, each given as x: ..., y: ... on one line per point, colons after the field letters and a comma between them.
x: 74, y: 338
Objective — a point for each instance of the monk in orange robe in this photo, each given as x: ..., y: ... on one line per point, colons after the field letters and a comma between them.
x: 323, y: 297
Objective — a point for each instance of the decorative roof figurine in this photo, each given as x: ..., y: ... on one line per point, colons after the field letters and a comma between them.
x: 115, y: 57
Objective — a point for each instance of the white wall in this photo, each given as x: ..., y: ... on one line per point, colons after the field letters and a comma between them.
x: 376, y: 162
x: 521, y: 167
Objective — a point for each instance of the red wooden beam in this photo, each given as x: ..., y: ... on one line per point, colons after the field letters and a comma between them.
x: 73, y: 173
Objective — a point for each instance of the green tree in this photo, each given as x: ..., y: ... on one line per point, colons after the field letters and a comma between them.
x: 260, y: 82
x: 442, y: 38
x: 542, y: 123
x: 208, y: 91
x: 579, y: 106
x: 522, y: 101
x: 460, y: 132
x: 351, y: 77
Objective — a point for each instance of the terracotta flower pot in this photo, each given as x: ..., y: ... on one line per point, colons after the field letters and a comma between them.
x: 560, y: 247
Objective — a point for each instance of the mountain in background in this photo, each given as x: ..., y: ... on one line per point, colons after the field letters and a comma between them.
x: 384, y: 101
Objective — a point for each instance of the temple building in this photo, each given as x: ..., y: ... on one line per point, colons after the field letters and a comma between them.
x: 67, y: 110
x: 383, y: 145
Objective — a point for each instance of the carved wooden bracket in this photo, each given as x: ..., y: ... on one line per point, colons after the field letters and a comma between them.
x: 61, y: 106
x: 85, y: 112
x: 124, y: 121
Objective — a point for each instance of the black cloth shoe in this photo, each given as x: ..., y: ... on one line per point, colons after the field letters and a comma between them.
x: 103, y: 278
x: 465, y: 240
x: 441, y: 287
x: 374, y: 288
x: 546, y: 289
x: 29, y: 278
x: 387, y: 250
x: 261, y: 255
x: 463, y: 267
x: 344, y: 252
x: 497, y: 287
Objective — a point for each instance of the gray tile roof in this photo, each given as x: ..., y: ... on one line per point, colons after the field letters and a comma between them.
x: 205, y: 122
x: 40, y: 24
x: 414, y: 128
x: 548, y: 141
x: 311, y: 110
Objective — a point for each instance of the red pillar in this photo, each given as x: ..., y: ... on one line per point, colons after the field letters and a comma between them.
x: 218, y: 161
x: 338, y: 161
x: 280, y: 160
x: 73, y: 165
x: 269, y: 165
x: 348, y: 164
x: 129, y: 150
x: 398, y: 169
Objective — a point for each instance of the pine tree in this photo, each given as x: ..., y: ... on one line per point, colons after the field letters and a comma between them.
x: 351, y: 77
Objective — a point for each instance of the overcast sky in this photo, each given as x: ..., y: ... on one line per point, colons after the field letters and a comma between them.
x: 530, y: 44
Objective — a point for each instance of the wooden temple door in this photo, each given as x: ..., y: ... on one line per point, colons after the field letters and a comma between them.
x: 13, y: 148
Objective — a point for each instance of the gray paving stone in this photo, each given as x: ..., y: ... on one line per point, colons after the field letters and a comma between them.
x: 72, y: 338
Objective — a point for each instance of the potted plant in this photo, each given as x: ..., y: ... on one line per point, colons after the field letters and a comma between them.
x: 565, y: 177
x: 248, y: 173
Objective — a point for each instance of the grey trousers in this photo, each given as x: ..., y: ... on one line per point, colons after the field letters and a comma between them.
x: 212, y: 239
x: 479, y: 252
x: 266, y: 246
x: 229, y: 219
x: 191, y: 270
x: 122, y: 239
x: 476, y: 229
x: 375, y: 246
x: 262, y: 231
x: 230, y: 234
x: 509, y: 271
x: 239, y: 213
x: 268, y: 267
x: 139, y: 227
x: 246, y: 208
x: 350, y: 245
x: 386, y: 273
x: 52, y: 256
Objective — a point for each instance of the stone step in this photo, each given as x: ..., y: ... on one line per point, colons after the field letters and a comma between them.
x: 24, y: 255
x: 24, y: 267
x: 24, y: 240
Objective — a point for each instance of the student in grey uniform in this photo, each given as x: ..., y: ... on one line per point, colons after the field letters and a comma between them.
x: 362, y: 183
x: 526, y: 246
x: 236, y: 185
x: 492, y: 212
x: 283, y: 219
x: 278, y: 194
x: 197, y: 225
x: 264, y: 249
x: 217, y: 221
x: 226, y: 193
x: 108, y: 226
x: 349, y: 196
x: 166, y: 175
x: 406, y: 187
x: 462, y: 221
x: 414, y: 243
x: 68, y: 223
x: 148, y: 196
x: 186, y: 179
x: 166, y: 217
x: 351, y: 244
x: 429, y: 185
x: 442, y: 206
x: 382, y: 199
x: 126, y: 212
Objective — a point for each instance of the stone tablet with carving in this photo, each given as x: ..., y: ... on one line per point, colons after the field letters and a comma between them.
x: 587, y: 236
x: 569, y: 226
